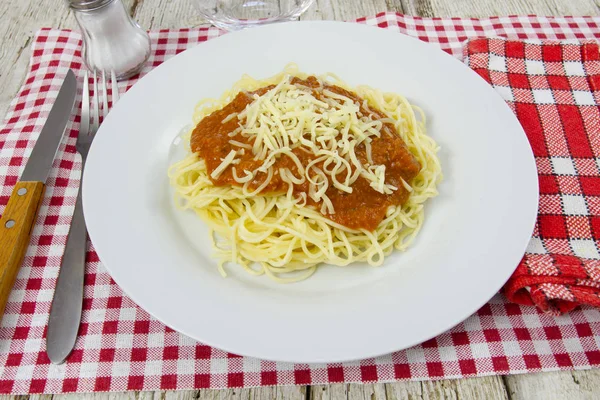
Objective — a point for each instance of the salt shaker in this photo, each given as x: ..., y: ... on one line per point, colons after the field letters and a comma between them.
x: 112, y: 41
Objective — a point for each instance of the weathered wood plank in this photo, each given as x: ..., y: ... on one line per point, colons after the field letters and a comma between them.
x: 422, y: 8
x: 344, y: 10
x: 348, y: 392
x: 181, y: 13
x: 261, y: 393
x: 572, y: 385
x: 165, y: 14
x: 465, y: 389
x: 32, y: 397
x: 479, y: 9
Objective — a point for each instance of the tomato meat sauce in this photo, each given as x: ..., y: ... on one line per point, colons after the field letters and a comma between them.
x: 364, y: 208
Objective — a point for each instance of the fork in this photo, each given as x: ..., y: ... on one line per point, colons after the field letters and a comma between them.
x: 65, y: 314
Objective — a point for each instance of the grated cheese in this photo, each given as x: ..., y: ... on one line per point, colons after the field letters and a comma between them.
x: 226, y: 162
x: 289, y: 116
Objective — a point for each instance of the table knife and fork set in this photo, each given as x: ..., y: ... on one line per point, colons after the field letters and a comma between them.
x: 20, y: 214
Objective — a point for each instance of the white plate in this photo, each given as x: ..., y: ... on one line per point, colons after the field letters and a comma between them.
x: 474, y: 234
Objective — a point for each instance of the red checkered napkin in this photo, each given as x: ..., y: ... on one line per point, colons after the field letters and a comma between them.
x: 554, y: 89
x: 121, y: 347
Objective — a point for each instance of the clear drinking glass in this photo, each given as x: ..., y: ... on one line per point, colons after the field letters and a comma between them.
x: 239, y: 14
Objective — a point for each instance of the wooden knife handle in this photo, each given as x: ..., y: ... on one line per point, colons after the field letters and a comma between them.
x: 15, y: 229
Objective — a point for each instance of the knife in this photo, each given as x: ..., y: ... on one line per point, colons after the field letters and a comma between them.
x: 21, y: 211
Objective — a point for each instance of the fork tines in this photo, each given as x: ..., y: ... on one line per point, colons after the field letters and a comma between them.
x: 97, y: 99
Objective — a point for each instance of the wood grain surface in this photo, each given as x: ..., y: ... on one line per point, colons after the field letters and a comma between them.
x: 15, y: 230
x: 20, y: 19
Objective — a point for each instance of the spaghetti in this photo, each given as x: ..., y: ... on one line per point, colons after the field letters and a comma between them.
x: 296, y: 170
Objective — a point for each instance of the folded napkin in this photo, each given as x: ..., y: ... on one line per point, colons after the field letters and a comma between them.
x: 554, y: 89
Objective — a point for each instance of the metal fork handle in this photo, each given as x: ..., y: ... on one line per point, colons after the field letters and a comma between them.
x: 65, y: 314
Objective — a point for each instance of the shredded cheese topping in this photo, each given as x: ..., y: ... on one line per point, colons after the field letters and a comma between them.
x: 331, y: 128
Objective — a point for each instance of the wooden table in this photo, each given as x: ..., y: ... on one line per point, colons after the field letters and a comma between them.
x: 20, y: 19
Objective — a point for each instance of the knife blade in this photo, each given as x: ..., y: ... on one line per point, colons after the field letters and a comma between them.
x: 27, y: 195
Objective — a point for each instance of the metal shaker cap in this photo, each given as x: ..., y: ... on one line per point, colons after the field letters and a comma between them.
x: 87, y: 5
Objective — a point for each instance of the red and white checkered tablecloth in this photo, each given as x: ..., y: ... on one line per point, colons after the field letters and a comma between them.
x: 121, y: 347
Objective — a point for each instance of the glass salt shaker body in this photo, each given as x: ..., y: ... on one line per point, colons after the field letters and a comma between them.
x: 112, y: 41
